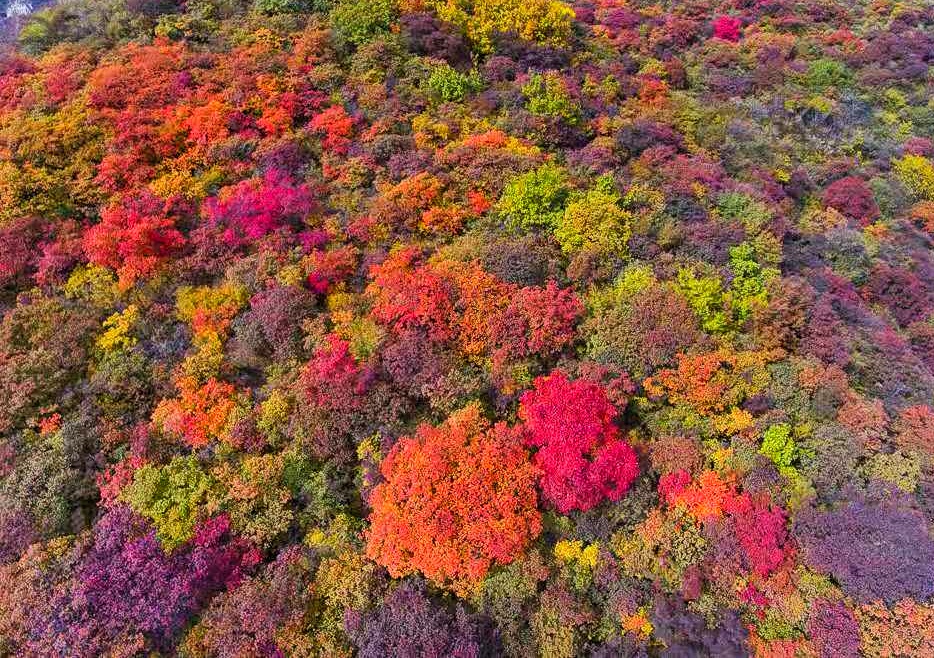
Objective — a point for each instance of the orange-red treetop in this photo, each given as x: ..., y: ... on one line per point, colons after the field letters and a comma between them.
x: 457, y: 499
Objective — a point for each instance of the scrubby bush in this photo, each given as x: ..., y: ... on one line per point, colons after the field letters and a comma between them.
x: 535, y: 199
x: 875, y: 549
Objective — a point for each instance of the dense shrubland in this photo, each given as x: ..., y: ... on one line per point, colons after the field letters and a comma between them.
x: 467, y: 328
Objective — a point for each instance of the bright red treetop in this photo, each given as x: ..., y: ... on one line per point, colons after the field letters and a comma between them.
x: 456, y: 500
x: 134, y: 238
x: 333, y: 379
x: 487, y: 317
x: 727, y: 28
x: 252, y: 208
x: 582, y: 458
x: 337, y: 127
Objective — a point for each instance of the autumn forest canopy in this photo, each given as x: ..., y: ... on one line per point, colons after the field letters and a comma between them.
x: 467, y: 328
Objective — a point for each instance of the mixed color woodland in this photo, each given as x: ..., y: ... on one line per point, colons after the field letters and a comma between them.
x: 467, y: 328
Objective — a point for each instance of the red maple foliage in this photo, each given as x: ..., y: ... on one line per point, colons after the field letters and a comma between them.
x: 582, y: 458
x: 727, y: 28
x: 487, y: 317
x: 134, y: 237
x: 852, y: 197
x: 408, y: 297
x: 337, y: 127
x: 761, y: 530
x: 759, y: 526
x: 15, y: 245
x: 538, y: 320
x: 257, y: 206
x: 332, y: 379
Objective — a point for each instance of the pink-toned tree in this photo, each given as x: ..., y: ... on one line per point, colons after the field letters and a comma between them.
x: 582, y: 457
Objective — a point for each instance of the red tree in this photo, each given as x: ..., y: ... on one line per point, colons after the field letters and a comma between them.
x: 407, y: 296
x: 134, y: 237
x: 337, y: 128
x: 582, y: 458
x: 727, y: 28
x: 852, y: 197
x: 252, y: 208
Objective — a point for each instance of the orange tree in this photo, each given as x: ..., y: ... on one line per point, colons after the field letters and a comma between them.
x: 456, y: 500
